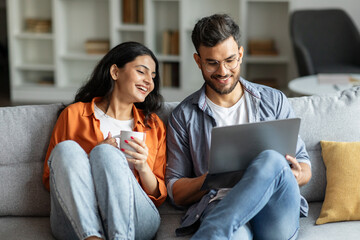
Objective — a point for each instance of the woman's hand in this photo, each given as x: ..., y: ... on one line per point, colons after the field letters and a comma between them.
x: 110, y: 140
x: 139, y: 158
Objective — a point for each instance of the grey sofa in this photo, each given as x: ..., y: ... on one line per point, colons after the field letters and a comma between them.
x: 25, y: 133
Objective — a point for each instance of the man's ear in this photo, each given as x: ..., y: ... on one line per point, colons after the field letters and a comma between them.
x: 114, y: 72
x: 241, y: 54
x: 197, y: 59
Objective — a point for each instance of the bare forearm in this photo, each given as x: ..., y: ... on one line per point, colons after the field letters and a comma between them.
x: 187, y: 190
x: 149, y: 182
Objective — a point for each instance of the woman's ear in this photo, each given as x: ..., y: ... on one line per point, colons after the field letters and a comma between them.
x: 114, y: 72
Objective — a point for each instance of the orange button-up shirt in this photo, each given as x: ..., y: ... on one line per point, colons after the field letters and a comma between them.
x: 77, y: 122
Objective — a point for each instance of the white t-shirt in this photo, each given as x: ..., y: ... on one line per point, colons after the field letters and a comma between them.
x: 236, y: 114
x: 112, y: 125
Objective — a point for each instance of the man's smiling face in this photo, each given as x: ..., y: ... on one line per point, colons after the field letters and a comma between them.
x: 225, y: 54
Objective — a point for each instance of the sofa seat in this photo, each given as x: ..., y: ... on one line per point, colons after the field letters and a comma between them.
x: 349, y: 230
x: 38, y: 228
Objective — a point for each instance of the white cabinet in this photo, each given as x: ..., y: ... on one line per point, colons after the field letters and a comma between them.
x: 49, y: 62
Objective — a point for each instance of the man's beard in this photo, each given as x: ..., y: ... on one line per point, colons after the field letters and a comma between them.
x: 221, y: 91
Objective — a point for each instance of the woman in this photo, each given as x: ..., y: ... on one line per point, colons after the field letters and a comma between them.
x: 94, y: 193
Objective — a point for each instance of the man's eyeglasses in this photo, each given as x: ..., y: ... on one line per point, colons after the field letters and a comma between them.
x: 213, y: 65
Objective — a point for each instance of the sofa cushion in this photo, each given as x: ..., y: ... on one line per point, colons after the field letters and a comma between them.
x: 25, y: 133
x: 166, y: 110
x: 333, y: 231
x: 342, y: 197
x: 332, y: 118
x: 29, y: 228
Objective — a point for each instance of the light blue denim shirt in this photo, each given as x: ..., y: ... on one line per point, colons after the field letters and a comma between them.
x: 189, y: 133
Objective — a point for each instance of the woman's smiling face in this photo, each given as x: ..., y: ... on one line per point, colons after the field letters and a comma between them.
x: 134, y: 81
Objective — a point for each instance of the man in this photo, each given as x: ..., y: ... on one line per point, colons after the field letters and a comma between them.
x: 266, y: 202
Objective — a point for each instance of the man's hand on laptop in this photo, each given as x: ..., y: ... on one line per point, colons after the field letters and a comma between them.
x: 301, y: 171
x: 295, y: 167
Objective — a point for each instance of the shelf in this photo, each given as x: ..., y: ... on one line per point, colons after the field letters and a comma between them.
x: 82, y: 57
x: 266, y: 59
x: 35, y: 36
x: 166, y: 0
x: 36, y: 67
x: 269, y: 1
x: 131, y: 27
x: 168, y: 58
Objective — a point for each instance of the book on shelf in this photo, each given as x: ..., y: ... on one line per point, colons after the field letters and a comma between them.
x: 140, y: 12
x: 170, y: 75
x: 262, y: 47
x: 38, y: 25
x: 46, y: 80
x: 170, y: 42
x: 133, y: 11
x: 97, y: 46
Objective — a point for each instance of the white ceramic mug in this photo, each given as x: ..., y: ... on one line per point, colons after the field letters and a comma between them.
x: 126, y: 135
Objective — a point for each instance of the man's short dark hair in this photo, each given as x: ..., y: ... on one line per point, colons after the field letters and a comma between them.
x: 211, y: 30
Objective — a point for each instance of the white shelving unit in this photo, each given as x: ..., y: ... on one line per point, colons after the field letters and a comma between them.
x: 267, y: 19
x: 59, y: 59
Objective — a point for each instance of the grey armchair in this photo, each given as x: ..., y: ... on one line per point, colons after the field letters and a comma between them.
x: 325, y: 41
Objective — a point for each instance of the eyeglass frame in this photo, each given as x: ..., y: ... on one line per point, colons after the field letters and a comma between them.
x: 219, y: 63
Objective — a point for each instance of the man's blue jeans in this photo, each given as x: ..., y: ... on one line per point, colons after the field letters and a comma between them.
x: 97, y: 195
x: 267, y: 197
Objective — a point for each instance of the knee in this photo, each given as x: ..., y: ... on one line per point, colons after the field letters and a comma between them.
x: 67, y: 159
x: 103, y: 149
x: 272, y: 159
x: 107, y: 157
x: 269, y: 163
x: 65, y: 154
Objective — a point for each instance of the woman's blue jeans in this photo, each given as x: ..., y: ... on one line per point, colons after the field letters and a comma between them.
x: 267, y: 197
x: 97, y: 195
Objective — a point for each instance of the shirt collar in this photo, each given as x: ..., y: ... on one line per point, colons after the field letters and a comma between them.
x: 250, y: 88
x: 89, y: 108
x: 138, y: 116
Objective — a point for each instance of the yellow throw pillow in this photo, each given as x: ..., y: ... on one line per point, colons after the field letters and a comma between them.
x: 342, y: 197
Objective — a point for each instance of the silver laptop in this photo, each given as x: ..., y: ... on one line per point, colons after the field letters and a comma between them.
x: 232, y: 148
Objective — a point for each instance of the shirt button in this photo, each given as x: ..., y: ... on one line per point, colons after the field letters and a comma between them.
x: 197, y: 216
x: 211, y: 196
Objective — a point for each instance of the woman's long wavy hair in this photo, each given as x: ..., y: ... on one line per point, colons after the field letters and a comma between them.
x: 101, y: 83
